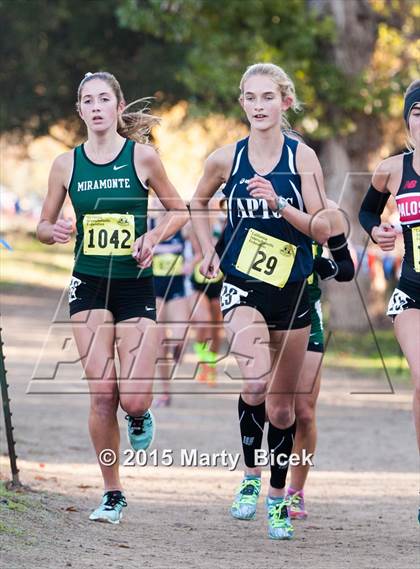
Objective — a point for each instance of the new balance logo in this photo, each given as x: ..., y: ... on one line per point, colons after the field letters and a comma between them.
x: 248, y: 441
x: 119, y: 167
x: 410, y: 184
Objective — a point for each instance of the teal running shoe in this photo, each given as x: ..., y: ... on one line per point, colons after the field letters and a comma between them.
x: 244, y: 506
x: 141, y: 431
x: 110, y: 510
x: 279, y: 523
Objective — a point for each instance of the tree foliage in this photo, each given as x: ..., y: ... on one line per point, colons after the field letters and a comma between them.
x: 49, y: 45
x: 224, y: 37
x: 197, y: 50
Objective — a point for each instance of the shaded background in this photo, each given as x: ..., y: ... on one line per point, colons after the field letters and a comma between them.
x: 351, y: 62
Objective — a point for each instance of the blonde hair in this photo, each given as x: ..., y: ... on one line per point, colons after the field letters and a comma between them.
x: 410, y: 143
x: 135, y: 125
x: 280, y: 78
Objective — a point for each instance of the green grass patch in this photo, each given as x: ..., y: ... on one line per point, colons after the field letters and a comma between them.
x: 362, y: 354
x: 10, y: 530
x: 14, y: 501
x: 34, y: 263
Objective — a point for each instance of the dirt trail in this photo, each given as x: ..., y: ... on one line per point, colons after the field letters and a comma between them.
x: 361, y: 495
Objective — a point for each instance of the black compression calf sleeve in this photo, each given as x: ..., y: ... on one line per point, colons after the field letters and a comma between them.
x: 280, y: 445
x: 371, y: 209
x: 251, y: 423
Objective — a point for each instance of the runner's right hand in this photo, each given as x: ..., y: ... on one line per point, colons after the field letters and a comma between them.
x: 385, y: 236
x: 62, y: 231
x: 209, y: 267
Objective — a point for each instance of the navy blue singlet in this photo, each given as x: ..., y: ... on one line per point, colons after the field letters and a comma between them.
x: 174, y: 244
x: 408, y: 203
x: 245, y: 212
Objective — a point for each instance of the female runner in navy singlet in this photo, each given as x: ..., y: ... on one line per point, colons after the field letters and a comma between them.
x: 274, y: 187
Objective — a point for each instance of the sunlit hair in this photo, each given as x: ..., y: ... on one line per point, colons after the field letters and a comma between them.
x: 280, y: 78
x: 412, y: 87
x: 135, y: 125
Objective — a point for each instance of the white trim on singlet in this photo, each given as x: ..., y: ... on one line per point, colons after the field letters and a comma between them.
x: 298, y: 196
x: 291, y: 160
x: 406, y: 195
x: 238, y: 160
x: 230, y: 204
x: 72, y: 171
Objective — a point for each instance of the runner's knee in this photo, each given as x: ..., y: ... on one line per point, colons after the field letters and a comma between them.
x: 281, y: 416
x: 254, y: 388
x: 305, y: 416
x: 104, y: 403
x: 135, y: 406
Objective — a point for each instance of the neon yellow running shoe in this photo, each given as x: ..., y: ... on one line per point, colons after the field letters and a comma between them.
x: 279, y: 523
x: 200, y: 350
x: 244, y: 506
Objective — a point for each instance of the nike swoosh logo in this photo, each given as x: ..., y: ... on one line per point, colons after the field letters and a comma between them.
x: 119, y: 167
x: 148, y: 309
x: 303, y: 313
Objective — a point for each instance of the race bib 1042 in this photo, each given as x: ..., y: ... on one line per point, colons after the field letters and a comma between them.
x: 108, y: 234
x: 266, y: 258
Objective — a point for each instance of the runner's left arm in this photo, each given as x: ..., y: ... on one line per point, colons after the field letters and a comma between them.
x: 149, y: 165
x: 341, y: 266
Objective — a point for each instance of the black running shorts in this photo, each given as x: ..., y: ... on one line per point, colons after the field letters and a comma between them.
x: 125, y: 298
x: 282, y: 308
x: 406, y: 295
x: 170, y: 288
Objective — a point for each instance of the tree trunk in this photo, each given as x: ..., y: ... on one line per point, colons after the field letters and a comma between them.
x: 345, y: 159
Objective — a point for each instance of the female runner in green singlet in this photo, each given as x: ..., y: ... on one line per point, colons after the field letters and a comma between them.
x: 111, y: 295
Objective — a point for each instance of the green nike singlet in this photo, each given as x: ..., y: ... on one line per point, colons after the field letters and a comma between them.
x: 110, y: 203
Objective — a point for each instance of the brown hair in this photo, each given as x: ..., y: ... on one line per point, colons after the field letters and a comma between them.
x: 135, y: 125
x: 280, y: 78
